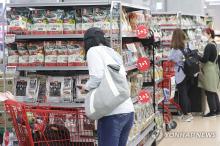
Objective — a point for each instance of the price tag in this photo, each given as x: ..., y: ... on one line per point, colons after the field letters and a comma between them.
x: 142, y: 32
x: 144, y: 96
x: 9, y: 38
x: 11, y: 69
x: 143, y: 64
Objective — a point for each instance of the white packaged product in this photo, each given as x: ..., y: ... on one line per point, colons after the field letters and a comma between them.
x: 68, y: 89
x: 81, y: 81
x: 54, y: 89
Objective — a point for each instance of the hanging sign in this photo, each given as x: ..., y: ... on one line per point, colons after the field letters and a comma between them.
x: 144, y: 96
x: 143, y: 64
x: 142, y: 32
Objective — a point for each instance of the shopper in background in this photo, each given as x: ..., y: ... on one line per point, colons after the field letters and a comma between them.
x: 209, y: 76
x: 113, y: 129
x: 177, y: 56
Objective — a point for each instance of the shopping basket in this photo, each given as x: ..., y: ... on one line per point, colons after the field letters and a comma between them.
x: 51, y: 126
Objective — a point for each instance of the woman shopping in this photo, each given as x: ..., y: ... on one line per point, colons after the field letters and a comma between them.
x: 209, y: 76
x: 114, y: 128
x: 177, y: 56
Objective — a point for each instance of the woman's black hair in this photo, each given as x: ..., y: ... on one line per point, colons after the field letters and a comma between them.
x: 94, y: 37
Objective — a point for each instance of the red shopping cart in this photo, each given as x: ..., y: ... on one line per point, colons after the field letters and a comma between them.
x: 51, y: 126
x: 169, y: 92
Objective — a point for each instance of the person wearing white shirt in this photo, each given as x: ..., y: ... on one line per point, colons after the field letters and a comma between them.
x: 114, y: 128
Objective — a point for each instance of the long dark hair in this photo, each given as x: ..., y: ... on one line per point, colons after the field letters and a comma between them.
x: 94, y: 37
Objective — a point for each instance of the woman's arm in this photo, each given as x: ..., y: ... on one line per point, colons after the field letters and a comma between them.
x: 96, y: 69
x: 206, y: 55
x: 175, y: 56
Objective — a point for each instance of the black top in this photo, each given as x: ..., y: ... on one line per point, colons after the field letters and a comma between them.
x: 210, y: 53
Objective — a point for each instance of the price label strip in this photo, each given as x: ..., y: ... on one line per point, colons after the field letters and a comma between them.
x: 11, y: 69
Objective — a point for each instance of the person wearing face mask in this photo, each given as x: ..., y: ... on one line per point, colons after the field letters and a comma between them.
x: 209, y: 76
x: 176, y: 55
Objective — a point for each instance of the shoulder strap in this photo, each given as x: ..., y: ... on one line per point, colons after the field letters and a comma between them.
x: 214, y: 43
x: 103, y: 58
x: 184, y: 53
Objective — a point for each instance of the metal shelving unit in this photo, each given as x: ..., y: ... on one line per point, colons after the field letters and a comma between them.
x: 143, y: 134
x: 61, y: 4
x: 150, y: 141
x: 63, y: 68
x: 66, y: 105
x: 112, y: 35
x: 55, y: 68
x: 2, y: 67
x: 64, y: 36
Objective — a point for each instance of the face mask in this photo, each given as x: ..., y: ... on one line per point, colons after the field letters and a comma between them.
x: 204, y: 39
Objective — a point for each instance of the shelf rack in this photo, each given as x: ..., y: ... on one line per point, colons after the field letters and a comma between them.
x: 63, y: 68
x: 65, y: 36
x: 77, y: 3
x: 2, y: 67
x: 118, y: 36
x: 143, y: 134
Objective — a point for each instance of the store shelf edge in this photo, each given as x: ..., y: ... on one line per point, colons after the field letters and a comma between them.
x: 66, y: 105
x: 76, y: 3
x: 142, y: 135
x: 65, y: 36
x: 2, y: 67
x: 48, y: 68
x: 59, y: 4
x: 150, y: 141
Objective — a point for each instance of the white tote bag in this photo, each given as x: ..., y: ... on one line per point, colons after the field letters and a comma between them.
x: 112, y: 91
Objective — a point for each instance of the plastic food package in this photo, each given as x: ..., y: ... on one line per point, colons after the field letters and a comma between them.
x: 136, y: 18
x: 39, y: 26
x: 55, y: 21
x: 102, y: 18
x: 54, y: 89
x: 36, y: 53
x: 78, y: 18
x: 81, y: 81
x: 76, y: 53
x: 21, y: 89
x: 50, y: 53
x: 87, y: 18
x: 62, y: 53
x: 19, y: 21
x: 33, y: 88
x: 13, y: 56
x: 67, y: 89
x: 69, y: 24
x: 23, y: 53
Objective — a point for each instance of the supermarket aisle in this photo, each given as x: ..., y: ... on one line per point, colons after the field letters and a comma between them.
x: 210, y: 127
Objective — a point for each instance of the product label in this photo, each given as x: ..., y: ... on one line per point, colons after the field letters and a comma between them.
x: 24, y: 59
x: 86, y: 26
x: 39, y: 27
x: 32, y: 58
x: 62, y: 59
x: 69, y: 27
x: 13, y: 59
x: 51, y: 59
x: 55, y: 27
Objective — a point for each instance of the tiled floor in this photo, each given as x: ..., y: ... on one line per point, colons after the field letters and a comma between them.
x: 199, y: 132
